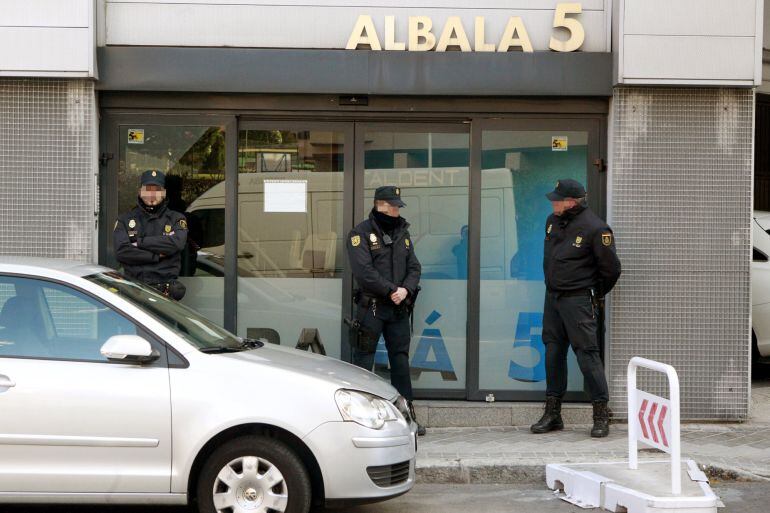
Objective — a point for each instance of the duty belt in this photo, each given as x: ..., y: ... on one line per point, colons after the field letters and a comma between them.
x: 571, y: 293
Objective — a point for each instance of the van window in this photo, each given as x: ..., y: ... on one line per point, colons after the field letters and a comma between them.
x: 211, y: 225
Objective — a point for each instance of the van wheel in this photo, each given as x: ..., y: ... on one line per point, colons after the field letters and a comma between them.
x: 254, y: 474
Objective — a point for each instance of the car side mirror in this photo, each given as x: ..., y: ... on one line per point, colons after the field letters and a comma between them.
x: 129, y: 349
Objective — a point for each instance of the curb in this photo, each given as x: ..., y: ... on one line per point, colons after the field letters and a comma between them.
x: 461, y: 472
x: 470, y: 472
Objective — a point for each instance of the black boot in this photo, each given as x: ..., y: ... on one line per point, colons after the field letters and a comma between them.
x: 601, y: 420
x: 420, y: 429
x: 551, y: 419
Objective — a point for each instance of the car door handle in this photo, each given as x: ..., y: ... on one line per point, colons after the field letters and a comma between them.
x: 6, y: 382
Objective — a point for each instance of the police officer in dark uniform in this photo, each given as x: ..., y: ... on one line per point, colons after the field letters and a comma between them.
x: 580, y: 267
x: 149, y: 239
x: 382, y: 257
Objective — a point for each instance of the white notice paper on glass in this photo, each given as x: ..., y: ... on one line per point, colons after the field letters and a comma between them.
x: 286, y: 196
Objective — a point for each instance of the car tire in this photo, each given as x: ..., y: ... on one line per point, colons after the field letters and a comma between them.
x: 254, y: 474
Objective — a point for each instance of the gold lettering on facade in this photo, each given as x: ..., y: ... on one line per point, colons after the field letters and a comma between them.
x: 420, y: 36
x: 453, y: 35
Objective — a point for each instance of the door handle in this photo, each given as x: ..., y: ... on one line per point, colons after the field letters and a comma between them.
x: 6, y: 382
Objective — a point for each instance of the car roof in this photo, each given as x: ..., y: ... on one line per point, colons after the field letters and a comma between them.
x: 35, y: 265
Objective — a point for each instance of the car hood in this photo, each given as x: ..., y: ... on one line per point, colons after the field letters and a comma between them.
x: 763, y: 218
x: 336, y: 372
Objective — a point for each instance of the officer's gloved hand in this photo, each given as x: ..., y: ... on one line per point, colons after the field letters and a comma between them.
x: 176, y: 290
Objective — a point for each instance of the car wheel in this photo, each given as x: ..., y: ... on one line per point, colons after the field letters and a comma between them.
x: 254, y: 474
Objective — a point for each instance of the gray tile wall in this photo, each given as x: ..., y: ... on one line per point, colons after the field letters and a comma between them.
x: 47, y: 181
x: 681, y: 197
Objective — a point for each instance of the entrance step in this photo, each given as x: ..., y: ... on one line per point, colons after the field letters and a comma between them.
x: 439, y: 414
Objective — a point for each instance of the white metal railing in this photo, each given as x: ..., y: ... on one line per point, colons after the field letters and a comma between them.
x: 653, y: 420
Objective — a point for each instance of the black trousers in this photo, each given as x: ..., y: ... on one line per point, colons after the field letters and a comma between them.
x: 572, y: 320
x: 393, y: 324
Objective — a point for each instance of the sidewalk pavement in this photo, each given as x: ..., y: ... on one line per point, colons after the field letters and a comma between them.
x: 514, y: 455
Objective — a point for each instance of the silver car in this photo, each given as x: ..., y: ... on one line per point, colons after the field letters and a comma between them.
x: 110, y: 393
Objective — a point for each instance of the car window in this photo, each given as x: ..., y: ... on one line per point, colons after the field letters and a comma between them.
x: 190, y: 325
x: 758, y: 256
x: 41, y: 319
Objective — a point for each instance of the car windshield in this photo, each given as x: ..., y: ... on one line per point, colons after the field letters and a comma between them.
x: 194, y: 328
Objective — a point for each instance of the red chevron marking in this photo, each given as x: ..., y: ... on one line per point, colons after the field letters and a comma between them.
x: 663, y: 411
x: 642, y: 409
x: 650, y: 418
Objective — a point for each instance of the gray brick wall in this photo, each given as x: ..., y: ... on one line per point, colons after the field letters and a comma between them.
x: 681, y: 189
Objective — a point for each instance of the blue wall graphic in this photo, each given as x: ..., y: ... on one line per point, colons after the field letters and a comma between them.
x: 527, y: 323
x: 430, y: 340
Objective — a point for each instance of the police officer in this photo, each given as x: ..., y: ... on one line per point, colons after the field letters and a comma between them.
x: 382, y: 257
x: 580, y: 267
x: 149, y: 239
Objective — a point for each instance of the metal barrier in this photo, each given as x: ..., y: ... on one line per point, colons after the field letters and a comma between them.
x: 657, y: 419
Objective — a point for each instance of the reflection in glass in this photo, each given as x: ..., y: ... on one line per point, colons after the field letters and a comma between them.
x: 193, y: 159
x: 432, y: 171
x: 518, y: 169
x: 290, y: 253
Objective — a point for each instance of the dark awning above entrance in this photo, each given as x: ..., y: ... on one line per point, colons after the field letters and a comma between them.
x: 249, y: 70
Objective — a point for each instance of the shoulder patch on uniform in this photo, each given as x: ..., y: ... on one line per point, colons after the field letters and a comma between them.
x: 606, y: 238
x: 183, y: 224
x: 578, y: 239
x: 167, y: 228
x: 355, y: 240
x: 116, y: 225
x: 548, y: 231
x: 406, y: 241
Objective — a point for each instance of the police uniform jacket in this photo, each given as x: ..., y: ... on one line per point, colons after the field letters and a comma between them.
x: 163, y: 232
x: 579, y: 253
x: 381, y: 268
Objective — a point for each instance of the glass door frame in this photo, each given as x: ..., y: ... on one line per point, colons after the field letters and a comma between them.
x: 361, y: 209
x: 354, y: 126
x: 595, y: 125
x: 307, y: 123
x: 109, y: 135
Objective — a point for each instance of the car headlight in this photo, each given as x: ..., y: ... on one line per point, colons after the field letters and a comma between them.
x: 365, y: 409
x: 402, y: 405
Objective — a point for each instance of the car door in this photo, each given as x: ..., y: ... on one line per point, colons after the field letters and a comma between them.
x: 71, y: 420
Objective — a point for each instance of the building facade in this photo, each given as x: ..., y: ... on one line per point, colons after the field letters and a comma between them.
x: 278, y: 122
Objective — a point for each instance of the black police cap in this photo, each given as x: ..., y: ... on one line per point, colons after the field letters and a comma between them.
x: 567, y: 188
x: 153, y: 177
x: 391, y: 194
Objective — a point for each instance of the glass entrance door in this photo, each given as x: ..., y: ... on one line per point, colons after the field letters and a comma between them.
x: 291, y: 224
x: 270, y: 203
x: 520, y: 162
x: 429, y: 163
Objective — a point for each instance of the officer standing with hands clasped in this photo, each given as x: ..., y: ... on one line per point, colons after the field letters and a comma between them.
x: 580, y: 267
x: 388, y: 274
x: 149, y: 239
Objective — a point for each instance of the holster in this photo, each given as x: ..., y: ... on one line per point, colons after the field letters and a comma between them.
x: 361, y: 338
x: 408, y: 305
x: 173, y: 289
